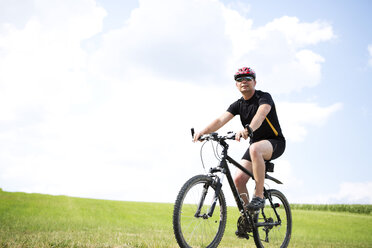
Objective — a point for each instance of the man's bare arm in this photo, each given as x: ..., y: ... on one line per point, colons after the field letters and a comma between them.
x: 215, y: 125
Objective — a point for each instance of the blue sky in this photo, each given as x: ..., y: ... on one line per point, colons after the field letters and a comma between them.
x: 97, y: 97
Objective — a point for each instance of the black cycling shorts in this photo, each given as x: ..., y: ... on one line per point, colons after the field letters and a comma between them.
x: 278, y: 149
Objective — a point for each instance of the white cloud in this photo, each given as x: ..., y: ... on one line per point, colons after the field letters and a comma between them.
x: 301, y: 34
x: 348, y: 193
x: 42, y: 64
x: 295, y: 117
x: 210, y: 47
x: 43, y: 80
x: 134, y: 138
x: 351, y: 192
x: 172, y: 39
x: 278, y: 50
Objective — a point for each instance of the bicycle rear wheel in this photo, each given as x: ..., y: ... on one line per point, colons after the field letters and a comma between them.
x: 199, y: 230
x: 274, y: 222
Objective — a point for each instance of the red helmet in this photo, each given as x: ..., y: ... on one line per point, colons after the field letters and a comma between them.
x: 245, y: 71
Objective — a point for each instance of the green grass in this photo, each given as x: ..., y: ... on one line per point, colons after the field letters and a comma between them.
x: 355, y: 208
x: 36, y: 220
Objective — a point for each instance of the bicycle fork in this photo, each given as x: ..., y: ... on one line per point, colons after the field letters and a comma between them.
x: 218, y: 186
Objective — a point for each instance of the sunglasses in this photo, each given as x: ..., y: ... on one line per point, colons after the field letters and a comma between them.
x: 241, y: 79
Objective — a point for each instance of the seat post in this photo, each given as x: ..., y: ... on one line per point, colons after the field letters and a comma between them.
x: 269, y: 166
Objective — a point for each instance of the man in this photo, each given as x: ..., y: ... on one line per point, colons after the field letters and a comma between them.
x: 258, y: 114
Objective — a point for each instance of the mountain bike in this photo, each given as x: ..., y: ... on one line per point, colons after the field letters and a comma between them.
x: 200, y: 212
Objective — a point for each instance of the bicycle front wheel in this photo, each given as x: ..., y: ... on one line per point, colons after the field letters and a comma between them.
x: 191, y: 224
x: 274, y: 222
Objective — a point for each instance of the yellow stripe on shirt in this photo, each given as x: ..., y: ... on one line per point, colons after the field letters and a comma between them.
x: 272, y: 127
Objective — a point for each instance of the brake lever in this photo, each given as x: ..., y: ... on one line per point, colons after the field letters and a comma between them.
x: 231, y: 135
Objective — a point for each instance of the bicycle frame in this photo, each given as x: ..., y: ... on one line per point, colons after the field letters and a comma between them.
x: 224, y: 168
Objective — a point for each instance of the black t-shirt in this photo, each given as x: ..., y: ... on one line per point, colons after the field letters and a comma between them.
x: 270, y: 128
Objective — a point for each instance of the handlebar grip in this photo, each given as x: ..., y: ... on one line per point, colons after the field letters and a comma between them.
x: 192, y: 132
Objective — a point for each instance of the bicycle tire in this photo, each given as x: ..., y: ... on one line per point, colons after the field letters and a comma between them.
x: 191, y: 231
x: 279, y: 235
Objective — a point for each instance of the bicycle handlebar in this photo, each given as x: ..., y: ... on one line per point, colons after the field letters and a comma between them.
x: 214, y: 136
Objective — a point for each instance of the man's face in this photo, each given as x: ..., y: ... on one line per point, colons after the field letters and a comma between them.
x: 245, y: 84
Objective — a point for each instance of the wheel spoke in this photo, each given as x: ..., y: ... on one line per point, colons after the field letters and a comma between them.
x: 274, y: 234
x: 199, y: 231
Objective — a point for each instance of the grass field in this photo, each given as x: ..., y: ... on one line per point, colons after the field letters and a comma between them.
x: 36, y: 220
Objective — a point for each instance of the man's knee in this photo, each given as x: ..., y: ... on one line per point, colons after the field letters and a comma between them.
x: 240, y: 179
x: 262, y: 149
x: 255, y: 151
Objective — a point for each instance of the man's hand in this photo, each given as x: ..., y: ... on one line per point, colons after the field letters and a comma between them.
x: 197, y: 136
x: 239, y: 134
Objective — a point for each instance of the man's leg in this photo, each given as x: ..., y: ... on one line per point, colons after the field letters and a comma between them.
x: 259, y: 152
x: 241, y: 179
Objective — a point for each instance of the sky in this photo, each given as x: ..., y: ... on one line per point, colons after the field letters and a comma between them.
x: 97, y: 97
